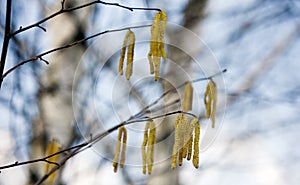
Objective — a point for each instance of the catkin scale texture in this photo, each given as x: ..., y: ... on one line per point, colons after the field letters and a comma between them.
x: 122, y: 132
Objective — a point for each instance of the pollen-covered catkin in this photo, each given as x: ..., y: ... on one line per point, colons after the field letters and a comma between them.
x: 151, y: 63
x: 181, y: 139
x: 157, y: 43
x: 185, y: 136
x: 130, y: 53
x: 144, y: 144
x: 187, y: 97
x: 163, y: 18
x: 122, y: 55
x: 123, y: 154
x: 214, y: 105
x: 176, y: 141
x: 196, y: 146
x: 207, y: 100
x: 210, y: 101
x: 191, y: 139
x: 156, y: 62
x: 52, y: 148
x: 151, y: 144
x: 122, y: 131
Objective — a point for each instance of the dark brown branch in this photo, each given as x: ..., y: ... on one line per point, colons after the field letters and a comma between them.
x: 63, y: 10
x: 65, y: 47
x: 6, y: 38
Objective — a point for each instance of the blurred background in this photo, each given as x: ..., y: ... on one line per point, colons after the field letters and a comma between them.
x: 80, y: 92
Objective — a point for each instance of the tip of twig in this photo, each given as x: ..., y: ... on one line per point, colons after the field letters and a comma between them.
x: 41, y: 58
x: 42, y: 28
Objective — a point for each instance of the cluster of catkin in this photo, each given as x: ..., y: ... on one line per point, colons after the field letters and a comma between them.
x: 122, y: 132
x: 157, y: 46
x: 149, y: 142
x: 187, y: 133
x: 210, y: 101
x: 186, y: 145
x: 129, y: 37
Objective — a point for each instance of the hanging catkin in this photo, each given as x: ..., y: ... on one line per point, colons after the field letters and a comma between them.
x: 196, y: 146
x: 191, y: 139
x: 210, y: 101
x: 187, y: 97
x: 151, y: 64
x: 144, y: 144
x: 161, y: 40
x: 151, y: 144
x: 122, y: 55
x: 150, y: 140
x: 130, y: 53
x: 123, y: 154
x: 214, y: 106
x: 176, y: 141
x: 122, y: 132
x: 184, y: 137
x: 129, y: 37
x: 157, y: 43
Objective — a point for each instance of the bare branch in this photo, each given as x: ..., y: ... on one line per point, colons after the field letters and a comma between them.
x: 63, y: 10
x: 39, y: 56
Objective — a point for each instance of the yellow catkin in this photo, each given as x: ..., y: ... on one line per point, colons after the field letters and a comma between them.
x: 52, y: 148
x: 214, y: 106
x: 196, y: 146
x: 176, y: 141
x: 123, y: 154
x: 181, y: 139
x: 210, y: 101
x: 190, y: 141
x: 184, y: 137
x: 144, y: 144
x: 153, y: 55
x: 123, y: 131
x: 122, y: 55
x: 154, y: 47
x: 151, y: 63
x: 207, y: 100
x: 157, y: 43
x: 162, y: 33
x: 157, y: 68
x: 187, y: 97
x: 151, y: 144
x: 130, y: 53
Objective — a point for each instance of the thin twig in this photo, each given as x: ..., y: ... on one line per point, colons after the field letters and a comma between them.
x: 63, y: 10
x: 39, y: 56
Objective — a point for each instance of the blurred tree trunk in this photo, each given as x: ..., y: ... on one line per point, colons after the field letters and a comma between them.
x: 193, y: 15
x: 56, y: 119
